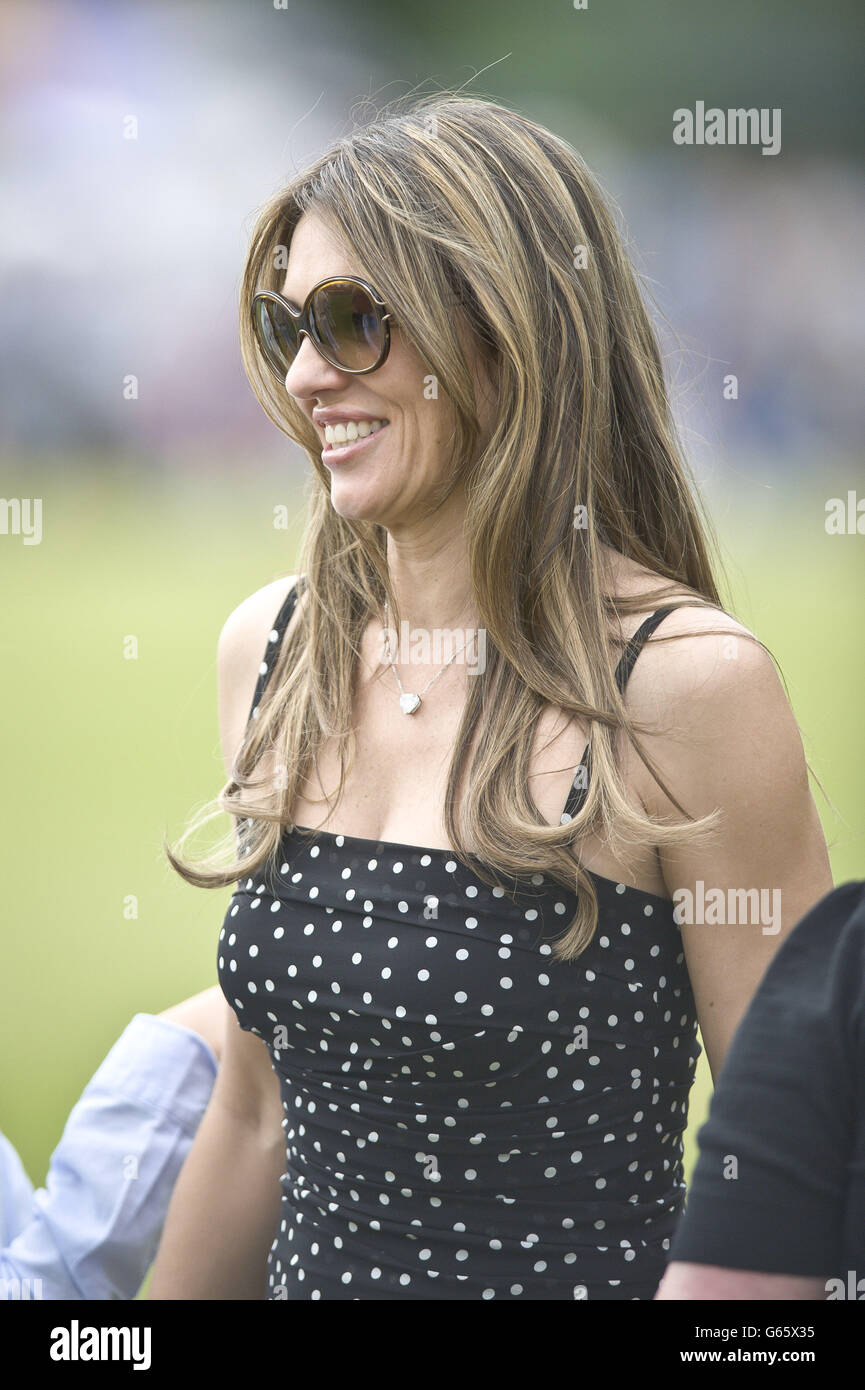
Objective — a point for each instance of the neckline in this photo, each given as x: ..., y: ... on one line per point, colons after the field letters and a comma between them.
x: 334, y: 835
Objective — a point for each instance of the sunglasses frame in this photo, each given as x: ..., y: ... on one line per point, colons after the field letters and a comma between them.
x: 306, y: 327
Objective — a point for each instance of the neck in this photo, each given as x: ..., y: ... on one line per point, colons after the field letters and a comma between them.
x: 431, y: 584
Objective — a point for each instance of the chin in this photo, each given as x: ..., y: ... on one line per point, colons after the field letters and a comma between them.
x: 354, y: 508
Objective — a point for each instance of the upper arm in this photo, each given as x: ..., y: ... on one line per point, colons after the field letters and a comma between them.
x: 722, y: 735
x: 247, y: 1087
x: 246, y: 1084
x: 241, y: 646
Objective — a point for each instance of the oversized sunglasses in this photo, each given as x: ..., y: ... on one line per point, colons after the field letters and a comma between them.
x: 343, y: 316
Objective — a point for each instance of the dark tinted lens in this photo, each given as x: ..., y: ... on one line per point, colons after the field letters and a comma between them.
x: 349, y: 325
x: 276, y: 334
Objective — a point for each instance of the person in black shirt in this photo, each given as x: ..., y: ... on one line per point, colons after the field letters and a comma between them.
x: 776, y: 1203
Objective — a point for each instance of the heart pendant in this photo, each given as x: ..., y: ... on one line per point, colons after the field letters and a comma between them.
x: 409, y: 702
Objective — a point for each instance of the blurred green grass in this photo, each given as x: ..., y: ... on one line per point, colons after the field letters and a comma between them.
x: 101, y: 753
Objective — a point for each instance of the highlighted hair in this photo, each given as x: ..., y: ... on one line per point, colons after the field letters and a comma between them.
x: 467, y: 215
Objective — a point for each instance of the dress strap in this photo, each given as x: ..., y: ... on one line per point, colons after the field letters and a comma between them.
x: 274, y: 642
x: 578, y: 792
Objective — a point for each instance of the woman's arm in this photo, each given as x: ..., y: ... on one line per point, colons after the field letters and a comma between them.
x: 692, y: 1282
x: 723, y: 735
x: 203, y: 1014
x: 225, y: 1207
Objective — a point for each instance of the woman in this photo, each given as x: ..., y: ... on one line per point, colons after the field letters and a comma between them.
x: 465, y: 998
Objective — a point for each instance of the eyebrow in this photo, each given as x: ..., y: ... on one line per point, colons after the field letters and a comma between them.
x: 298, y: 303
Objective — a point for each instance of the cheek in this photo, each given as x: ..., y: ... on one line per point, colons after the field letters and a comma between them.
x: 422, y: 412
x: 424, y: 432
x: 435, y: 413
x: 407, y: 380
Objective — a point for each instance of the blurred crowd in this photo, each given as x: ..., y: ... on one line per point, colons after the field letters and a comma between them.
x: 137, y: 142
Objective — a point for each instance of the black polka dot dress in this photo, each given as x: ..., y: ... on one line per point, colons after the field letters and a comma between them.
x: 465, y: 1116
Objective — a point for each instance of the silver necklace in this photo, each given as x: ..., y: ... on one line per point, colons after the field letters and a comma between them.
x: 410, y: 700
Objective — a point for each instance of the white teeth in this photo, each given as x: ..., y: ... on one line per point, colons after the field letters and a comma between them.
x: 351, y: 430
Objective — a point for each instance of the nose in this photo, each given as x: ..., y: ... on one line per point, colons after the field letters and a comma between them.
x: 309, y: 373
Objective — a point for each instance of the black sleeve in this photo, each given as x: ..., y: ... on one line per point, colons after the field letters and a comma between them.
x: 784, y: 1117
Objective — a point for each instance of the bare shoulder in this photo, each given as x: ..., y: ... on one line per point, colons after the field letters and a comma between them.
x: 698, y: 654
x: 703, y: 688
x: 695, y: 648
x: 240, y: 649
x: 713, y: 712
x: 246, y: 628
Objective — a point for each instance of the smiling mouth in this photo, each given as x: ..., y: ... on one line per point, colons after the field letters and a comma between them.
x: 354, y: 438
x: 347, y: 431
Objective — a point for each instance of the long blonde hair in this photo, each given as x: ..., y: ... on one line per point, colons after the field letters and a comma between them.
x: 446, y: 203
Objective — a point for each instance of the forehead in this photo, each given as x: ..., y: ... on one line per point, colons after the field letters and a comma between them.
x: 315, y: 253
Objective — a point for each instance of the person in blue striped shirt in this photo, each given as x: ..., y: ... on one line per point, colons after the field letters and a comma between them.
x: 93, y: 1230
